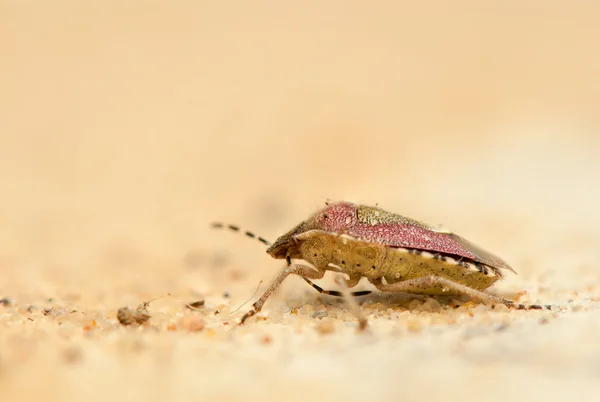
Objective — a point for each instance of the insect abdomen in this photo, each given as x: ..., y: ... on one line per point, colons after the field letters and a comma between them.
x: 375, y: 261
x: 402, y: 264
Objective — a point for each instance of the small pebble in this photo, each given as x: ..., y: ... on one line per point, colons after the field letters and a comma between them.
x: 195, y: 305
x: 325, y: 327
x: 320, y: 314
x: 5, y: 301
x: 141, y: 314
x: 193, y: 323
x: 128, y: 317
x: 125, y: 316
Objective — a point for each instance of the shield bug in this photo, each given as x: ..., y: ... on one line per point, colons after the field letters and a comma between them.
x: 394, y: 253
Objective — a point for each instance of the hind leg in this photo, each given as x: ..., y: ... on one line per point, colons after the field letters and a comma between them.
x: 418, y: 285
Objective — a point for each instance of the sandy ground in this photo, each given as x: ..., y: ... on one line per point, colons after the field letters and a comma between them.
x: 127, y: 127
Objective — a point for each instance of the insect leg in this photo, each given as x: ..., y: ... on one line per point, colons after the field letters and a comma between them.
x: 352, y: 304
x: 417, y: 285
x: 297, y: 269
x: 335, y: 292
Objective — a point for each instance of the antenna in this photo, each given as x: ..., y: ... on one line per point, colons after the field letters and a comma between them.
x: 234, y: 228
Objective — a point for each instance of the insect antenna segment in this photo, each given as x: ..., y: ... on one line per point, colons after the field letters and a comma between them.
x: 234, y: 228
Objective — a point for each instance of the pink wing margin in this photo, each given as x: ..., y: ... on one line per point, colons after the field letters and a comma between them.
x: 417, y: 237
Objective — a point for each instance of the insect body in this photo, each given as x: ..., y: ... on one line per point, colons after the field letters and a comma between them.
x: 395, y: 253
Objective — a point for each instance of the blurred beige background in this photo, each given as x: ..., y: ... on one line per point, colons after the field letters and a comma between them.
x: 126, y: 127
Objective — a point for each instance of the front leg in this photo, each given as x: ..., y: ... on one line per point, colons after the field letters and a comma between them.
x: 297, y: 269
